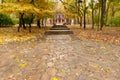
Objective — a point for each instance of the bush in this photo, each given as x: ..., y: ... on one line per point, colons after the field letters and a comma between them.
x: 15, y: 20
x: 5, y: 20
x: 28, y: 19
x: 114, y: 21
x: 96, y: 19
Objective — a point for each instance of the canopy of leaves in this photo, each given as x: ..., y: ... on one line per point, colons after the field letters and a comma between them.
x: 39, y: 8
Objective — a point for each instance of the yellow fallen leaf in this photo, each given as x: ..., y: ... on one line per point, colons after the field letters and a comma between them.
x: 23, y: 65
x: 12, y: 56
x: 55, y: 78
x: 17, y: 59
x: 107, y: 69
x: 1, y: 40
x: 94, y: 65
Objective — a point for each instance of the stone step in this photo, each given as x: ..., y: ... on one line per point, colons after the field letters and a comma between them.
x: 58, y: 32
x: 59, y: 29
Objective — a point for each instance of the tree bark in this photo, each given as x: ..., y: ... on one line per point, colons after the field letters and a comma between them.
x: 38, y: 23
x: 103, y: 12
x: 107, y: 11
x: 80, y: 21
x: 2, y: 1
x: 84, y: 16
x: 92, y: 14
x: 20, y: 23
x: 42, y: 22
x: 22, y: 20
x: 102, y: 15
x: 30, y: 27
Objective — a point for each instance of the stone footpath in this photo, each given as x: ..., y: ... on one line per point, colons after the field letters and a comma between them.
x: 59, y: 57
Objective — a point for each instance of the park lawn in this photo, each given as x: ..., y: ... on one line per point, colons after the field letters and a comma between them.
x: 10, y: 34
x: 108, y: 34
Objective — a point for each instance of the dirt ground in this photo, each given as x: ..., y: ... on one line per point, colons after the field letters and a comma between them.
x: 80, y: 56
x: 108, y: 34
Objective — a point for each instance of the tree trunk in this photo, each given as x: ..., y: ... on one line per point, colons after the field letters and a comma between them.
x: 80, y: 21
x: 38, y: 23
x: 20, y: 23
x: 45, y: 24
x: 84, y: 16
x: 2, y: 1
x: 22, y: 20
x: 102, y: 15
x: 92, y: 15
x: 99, y: 16
x: 30, y: 27
x: 42, y: 22
x: 107, y: 11
x: 104, y: 10
x: 113, y: 11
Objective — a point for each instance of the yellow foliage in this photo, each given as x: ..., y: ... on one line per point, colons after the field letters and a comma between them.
x: 25, y: 7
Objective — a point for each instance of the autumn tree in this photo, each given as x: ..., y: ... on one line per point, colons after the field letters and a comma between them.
x: 35, y: 8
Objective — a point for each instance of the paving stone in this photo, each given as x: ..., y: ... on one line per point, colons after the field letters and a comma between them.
x: 45, y: 76
x: 51, y: 71
x: 60, y: 56
x: 35, y: 77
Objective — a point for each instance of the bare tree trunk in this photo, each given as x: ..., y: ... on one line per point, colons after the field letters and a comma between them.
x: 103, y: 8
x: 38, y: 23
x: 99, y: 16
x: 45, y: 22
x: 42, y: 21
x: 29, y: 27
x: 84, y: 17
x: 2, y: 1
x: 21, y: 21
x: 107, y: 11
x: 113, y: 11
x: 80, y: 21
x: 92, y: 14
x: 102, y: 15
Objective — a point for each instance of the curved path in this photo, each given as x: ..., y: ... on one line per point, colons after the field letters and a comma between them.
x: 59, y: 57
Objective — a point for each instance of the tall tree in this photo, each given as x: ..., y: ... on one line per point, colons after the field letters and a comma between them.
x: 92, y: 7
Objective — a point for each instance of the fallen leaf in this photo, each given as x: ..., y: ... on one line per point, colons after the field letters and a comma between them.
x: 12, y: 56
x: 55, y: 78
x: 22, y: 65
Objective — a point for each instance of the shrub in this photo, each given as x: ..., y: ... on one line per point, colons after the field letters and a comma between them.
x: 28, y: 19
x: 96, y: 19
x: 15, y: 20
x: 114, y: 21
x: 5, y: 20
